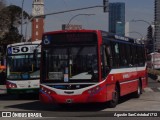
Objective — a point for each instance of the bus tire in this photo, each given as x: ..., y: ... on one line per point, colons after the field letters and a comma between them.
x: 115, y: 98
x: 139, y: 90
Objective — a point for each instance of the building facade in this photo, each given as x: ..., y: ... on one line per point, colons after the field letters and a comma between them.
x: 117, y: 18
x: 150, y: 38
x: 157, y: 26
x: 37, y: 22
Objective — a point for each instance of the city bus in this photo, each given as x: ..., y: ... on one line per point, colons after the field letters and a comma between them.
x: 153, y: 60
x: 23, y: 70
x: 90, y: 66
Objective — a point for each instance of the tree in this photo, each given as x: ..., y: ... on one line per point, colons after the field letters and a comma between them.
x: 10, y: 20
x: 2, y: 4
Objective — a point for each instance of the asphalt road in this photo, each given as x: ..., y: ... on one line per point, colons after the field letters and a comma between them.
x: 149, y: 102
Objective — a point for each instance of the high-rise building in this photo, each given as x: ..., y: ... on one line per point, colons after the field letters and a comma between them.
x: 117, y: 18
x: 37, y: 22
x: 157, y: 25
x: 150, y: 37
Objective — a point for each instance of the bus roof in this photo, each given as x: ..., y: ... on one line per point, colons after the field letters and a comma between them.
x: 112, y: 36
x: 64, y: 31
x: 107, y: 35
x: 25, y: 43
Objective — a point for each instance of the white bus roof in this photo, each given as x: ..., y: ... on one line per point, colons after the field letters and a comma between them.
x: 154, y: 53
x: 24, y: 43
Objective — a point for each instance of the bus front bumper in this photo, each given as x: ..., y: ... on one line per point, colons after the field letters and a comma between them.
x: 71, y: 99
x: 22, y: 91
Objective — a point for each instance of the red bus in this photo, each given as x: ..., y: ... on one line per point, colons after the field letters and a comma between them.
x: 88, y: 66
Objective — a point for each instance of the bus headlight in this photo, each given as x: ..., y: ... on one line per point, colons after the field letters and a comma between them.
x: 94, y: 90
x: 11, y: 85
x: 46, y: 90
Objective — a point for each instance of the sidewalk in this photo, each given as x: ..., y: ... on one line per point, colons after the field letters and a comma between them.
x: 3, y: 89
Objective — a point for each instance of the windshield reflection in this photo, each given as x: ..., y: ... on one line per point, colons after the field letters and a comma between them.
x: 73, y: 63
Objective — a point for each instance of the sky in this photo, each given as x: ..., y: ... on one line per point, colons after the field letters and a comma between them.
x: 135, y: 9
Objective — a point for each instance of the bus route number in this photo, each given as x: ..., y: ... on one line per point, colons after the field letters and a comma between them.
x: 20, y: 49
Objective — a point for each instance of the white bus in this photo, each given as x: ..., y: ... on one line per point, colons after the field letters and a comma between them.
x: 153, y: 60
x: 23, y: 71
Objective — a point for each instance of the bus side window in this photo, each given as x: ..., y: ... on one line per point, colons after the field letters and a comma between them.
x: 123, y: 59
x: 105, y: 61
x: 128, y: 55
x: 114, y: 55
x: 108, y: 56
x: 131, y: 56
x: 134, y: 55
x: 143, y: 56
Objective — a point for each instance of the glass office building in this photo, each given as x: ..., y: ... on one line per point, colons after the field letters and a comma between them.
x: 117, y: 18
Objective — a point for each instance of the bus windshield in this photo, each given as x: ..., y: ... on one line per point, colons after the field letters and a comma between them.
x: 21, y: 67
x: 71, y: 64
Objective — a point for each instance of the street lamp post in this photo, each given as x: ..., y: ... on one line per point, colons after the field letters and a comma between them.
x: 141, y: 21
x: 136, y: 33
x: 77, y: 16
x: 141, y: 36
x: 149, y: 25
x: 152, y: 37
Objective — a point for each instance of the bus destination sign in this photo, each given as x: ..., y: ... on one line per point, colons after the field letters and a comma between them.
x: 22, y: 49
x: 68, y: 38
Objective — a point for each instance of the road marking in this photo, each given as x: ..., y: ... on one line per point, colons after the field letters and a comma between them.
x: 148, y: 89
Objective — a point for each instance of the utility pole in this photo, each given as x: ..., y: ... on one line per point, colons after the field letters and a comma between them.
x: 22, y: 22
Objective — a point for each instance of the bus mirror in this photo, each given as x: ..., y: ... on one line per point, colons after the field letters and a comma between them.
x: 35, y: 53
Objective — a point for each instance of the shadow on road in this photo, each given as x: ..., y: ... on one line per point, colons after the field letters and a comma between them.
x: 152, y: 76
x: 38, y: 106
x: 10, y: 97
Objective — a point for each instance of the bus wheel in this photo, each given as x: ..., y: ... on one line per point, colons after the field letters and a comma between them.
x: 139, y: 90
x: 115, y: 98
